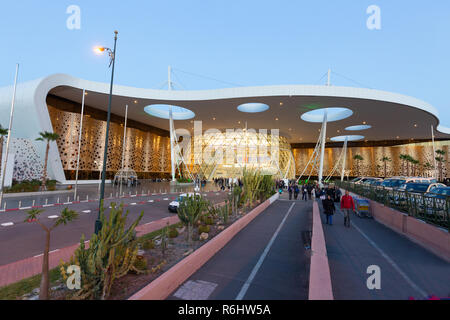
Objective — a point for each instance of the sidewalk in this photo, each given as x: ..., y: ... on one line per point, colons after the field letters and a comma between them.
x: 29, y: 267
x: 407, y: 270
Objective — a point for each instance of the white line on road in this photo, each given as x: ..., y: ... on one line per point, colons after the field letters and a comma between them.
x: 133, y: 204
x: 53, y: 217
x: 54, y: 251
x: 247, y: 283
x: 86, y: 211
x: 391, y: 262
x: 150, y: 201
x: 38, y: 255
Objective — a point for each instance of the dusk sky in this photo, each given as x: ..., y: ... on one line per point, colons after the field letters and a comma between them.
x: 248, y: 43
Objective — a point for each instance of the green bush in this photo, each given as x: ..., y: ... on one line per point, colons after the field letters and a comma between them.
x: 148, y: 244
x: 173, y: 233
x: 140, y: 263
x: 203, y: 228
x: 206, y: 219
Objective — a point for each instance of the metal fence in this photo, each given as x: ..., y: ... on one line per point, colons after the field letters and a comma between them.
x: 430, y: 209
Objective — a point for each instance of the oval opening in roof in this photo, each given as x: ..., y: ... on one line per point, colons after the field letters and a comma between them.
x: 349, y: 138
x: 162, y: 111
x: 333, y: 114
x: 253, y: 107
x: 358, y: 128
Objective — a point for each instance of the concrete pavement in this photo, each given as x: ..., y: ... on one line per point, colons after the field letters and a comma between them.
x: 407, y: 269
x: 266, y: 260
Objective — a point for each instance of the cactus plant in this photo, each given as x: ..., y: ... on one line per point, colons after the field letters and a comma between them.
x: 189, y: 212
x: 111, y: 254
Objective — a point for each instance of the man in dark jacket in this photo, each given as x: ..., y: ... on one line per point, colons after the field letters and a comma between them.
x: 329, y: 208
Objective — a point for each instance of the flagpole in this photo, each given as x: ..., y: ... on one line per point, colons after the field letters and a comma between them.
x: 79, y: 145
x: 9, y: 134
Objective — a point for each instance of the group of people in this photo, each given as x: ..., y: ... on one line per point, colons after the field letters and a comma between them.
x: 295, y: 189
x: 347, y: 205
x: 227, y: 183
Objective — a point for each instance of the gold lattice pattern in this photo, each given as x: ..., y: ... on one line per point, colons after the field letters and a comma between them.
x: 145, y: 151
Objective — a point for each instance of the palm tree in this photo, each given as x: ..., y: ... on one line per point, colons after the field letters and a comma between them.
x: 440, y: 160
x: 32, y: 215
x: 3, y: 132
x: 385, y: 160
x: 403, y: 159
x: 427, y: 167
x: 357, y: 158
x: 46, y: 136
x: 416, y: 165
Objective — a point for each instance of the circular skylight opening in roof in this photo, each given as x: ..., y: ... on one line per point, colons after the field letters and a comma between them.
x: 349, y: 138
x: 358, y: 128
x: 162, y: 111
x: 333, y: 114
x: 253, y: 107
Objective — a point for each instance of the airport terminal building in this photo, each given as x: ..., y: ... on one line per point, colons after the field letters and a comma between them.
x: 283, y: 121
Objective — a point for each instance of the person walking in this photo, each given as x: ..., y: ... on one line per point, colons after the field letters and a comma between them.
x: 347, y: 206
x: 296, y: 191
x: 290, y: 191
x: 304, y: 193
x: 329, y: 209
x: 338, y: 195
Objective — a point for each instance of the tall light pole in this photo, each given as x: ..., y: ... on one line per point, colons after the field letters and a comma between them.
x: 112, y: 55
x: 3, y: 172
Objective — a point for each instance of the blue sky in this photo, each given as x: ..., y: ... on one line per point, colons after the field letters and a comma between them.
x: 242, y: 42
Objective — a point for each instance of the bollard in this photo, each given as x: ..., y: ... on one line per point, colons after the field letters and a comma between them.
x: 34, y: 203
x: 110, y: 196
x: 68, y: 199
x: 20, y: 204
x: 4, y: 206
x: 78, y: 198
x: 57, y: 201
x: 87, y: 197
x: 129, y: 193
x: 46, y: 201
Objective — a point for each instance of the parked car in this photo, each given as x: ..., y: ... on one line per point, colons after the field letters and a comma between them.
x: 173, y: 206
x: 441, y: 192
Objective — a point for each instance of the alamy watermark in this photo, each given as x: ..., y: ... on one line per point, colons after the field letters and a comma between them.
x: 374, y: 20
x: 374, y: 280
x: 73, y: 22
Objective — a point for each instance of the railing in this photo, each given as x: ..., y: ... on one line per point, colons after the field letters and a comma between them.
x: 430, y: 209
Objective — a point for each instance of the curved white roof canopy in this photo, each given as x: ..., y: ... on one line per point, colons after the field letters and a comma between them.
x: 389, y: 114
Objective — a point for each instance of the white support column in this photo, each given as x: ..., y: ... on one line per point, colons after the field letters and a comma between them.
x: 344, y: 154
x: 323, y: 133
x: 8, y: 140
x: 80, y: 136
x: 172, y: 155
x: 123, y: 148
x: 434, y: 154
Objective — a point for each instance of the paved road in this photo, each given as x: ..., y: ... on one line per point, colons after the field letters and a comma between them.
x: 23, y: 240
x: 266, y: 260
x: 92, y: 191
x: 407, y: 270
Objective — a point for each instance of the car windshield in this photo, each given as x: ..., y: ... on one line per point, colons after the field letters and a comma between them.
x: 422, y: 187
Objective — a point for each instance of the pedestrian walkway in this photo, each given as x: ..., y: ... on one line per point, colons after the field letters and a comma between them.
x: 266, y: 260
x: 29, y: 267
x: 407, y: 269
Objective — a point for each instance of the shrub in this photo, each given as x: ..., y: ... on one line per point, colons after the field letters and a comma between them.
x: 203, y: 229
x: 173, y: 233
x: 140, y: 263
x: 148, y: 244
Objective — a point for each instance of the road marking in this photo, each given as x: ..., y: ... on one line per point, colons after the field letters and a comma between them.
x: 53, y: 217
x: 390, y: 261
x: 247, y: 283
x: 86, y: 211
x: 166, y: 199
x: 133, y: 204
x: 54, y: 251
x: 25, y: 208
x: 7, y: 224
x: 38, y: 255
x: 150, y: 201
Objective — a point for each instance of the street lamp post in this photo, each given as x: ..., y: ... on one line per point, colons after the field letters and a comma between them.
x: 112, y: 55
